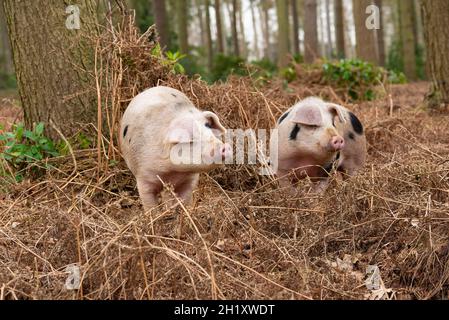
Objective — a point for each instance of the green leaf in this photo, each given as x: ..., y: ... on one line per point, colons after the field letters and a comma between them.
x: 39, y: 130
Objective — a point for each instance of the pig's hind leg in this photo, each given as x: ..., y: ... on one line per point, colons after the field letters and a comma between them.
x: 149, y: 193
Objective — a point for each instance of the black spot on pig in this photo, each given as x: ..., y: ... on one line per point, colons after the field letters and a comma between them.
x: 125, y: 131
x: 356, y: 124
x: 282, y: 118
x: 351, y: 136
x: 294, y: 132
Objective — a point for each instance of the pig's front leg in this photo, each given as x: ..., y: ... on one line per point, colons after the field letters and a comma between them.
x: 184, y: 189
x: 149, y: 193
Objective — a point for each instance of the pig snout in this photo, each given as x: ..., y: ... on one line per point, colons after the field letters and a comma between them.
x: 223, y: 152
x: 226, y: 151
x: 336, y: 143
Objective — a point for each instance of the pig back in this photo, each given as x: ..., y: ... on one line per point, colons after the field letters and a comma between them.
x: 144, y: 126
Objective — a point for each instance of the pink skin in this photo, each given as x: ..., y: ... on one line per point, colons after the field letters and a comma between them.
x: 316, y: 144
x: 157, y: 121
x: 336, y: 143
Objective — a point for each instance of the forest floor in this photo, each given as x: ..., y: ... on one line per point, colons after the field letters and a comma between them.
x: 243, y: 238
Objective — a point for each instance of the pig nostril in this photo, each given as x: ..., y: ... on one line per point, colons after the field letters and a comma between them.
x: 337, y: 143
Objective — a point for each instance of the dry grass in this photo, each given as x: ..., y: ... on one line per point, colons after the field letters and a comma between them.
x: 243, y: 238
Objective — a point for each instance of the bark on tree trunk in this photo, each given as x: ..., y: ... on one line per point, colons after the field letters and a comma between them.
x: 295, y: 19
x: 160, y: 15
x: 209, y: 49
x: 235, y: 36
x: 199, y: 9
x: 243, y: 47
x: 330, y: 47
x: 256, y: 34
x: 6, y: 65
x: 265, y: 27
x: 220, y: 43
x: 408, y: 38
x: 310, y: 31
x: 49, y: 59
x: 181, y: 13
x: 339, y: 29
x: 282, y: 15
x: 366, y: 44
x: 435, y: 16
x: 380, y: 35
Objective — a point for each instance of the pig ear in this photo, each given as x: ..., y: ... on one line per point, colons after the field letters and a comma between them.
x: 308, y: 115
x: 180, y: 131
x: 214, y: 123
x: 337, y: 110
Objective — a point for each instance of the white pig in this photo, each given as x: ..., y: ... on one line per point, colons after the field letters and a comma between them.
x: 314, y: 137
x: 163, y: 136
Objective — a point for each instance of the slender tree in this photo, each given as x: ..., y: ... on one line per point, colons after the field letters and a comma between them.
x: 339, y: 29
x: 209, y: 49
x: 49, y: 52
x: 282, y: 16
x: 256, y: 33
x: 220, y: 40
x: 295, y: 26
x: 160, y: 15
x: 182, y: 16
x: 330, y: 47
x: 435, y: 16
x: 241, y: 30
x: 235, y: 36
x: 380, y: 36
x: 265, y: 26
x: 199, y: 9
x: 311, y: 49
x: 419, y: 24
x: 366, y: 44
x: 406, y: 12
x: 6, y: 65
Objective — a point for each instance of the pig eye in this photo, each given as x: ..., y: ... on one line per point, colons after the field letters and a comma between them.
x: 208, y: 125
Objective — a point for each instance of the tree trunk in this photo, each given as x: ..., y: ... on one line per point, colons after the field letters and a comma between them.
x: 235, y: 36
x: 265, y: 25
x: 243, y: 47
x: 209, y: 49
x: 220, y: 43
x: 310, y: 31
x: 380, y: 34
x: 256, y: 34
x: 181, y: 14
x: 366, y: 44
x: 419, y: 24
x: 339, y: 29
x: 321, y: 36
x: 435, y: 16
x: 330, y: 47
x: 408, y: 38
x: 282, y: 16
x: 49, y: 57
x: 295, y: 19
x: 160, y: 15
x: 199, y: 4
x: 6, y: 65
